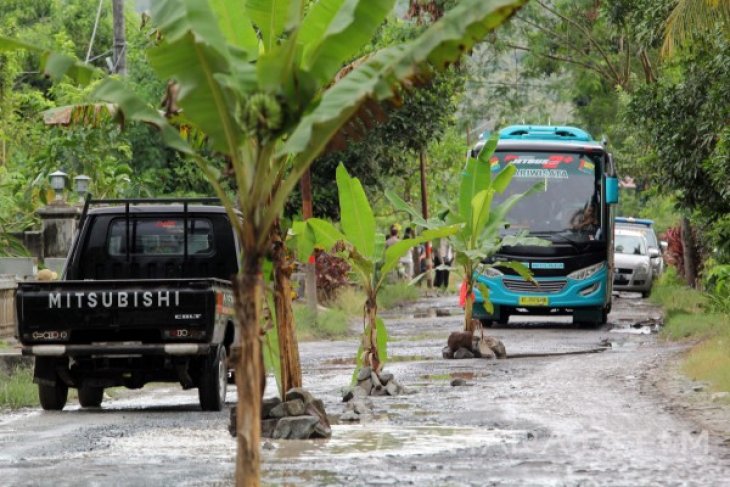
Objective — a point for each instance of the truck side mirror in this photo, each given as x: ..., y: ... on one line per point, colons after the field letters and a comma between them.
x: 611, y: 190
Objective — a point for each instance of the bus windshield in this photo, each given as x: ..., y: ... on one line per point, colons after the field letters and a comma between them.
x: 570, y: 203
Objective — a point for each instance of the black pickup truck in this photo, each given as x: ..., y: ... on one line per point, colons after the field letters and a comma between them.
x: 145, y: 296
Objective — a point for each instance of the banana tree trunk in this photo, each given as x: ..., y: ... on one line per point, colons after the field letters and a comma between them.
x: 370, y: 335
x: 469, y: 306
x: 291, y: 371
x: 248, y: 288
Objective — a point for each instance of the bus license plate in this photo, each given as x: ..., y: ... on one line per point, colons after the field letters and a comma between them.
x: 533, y: 300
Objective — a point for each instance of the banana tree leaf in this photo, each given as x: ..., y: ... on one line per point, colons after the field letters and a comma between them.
x: 236, y: 26
x: 480, y: 206
x: 379, y: 77
x: 401, y: 205
x: 270, y: 16
x: 176, y: 18
x: 54, y: 65
x: 351, y: 28
x: 305, y: 240
x: 520, y: 269
x: 398, y: 249
x: 356, y: 215
x: 194, y: 64
x: 381, y: 339
x: 325, y: 233
x: 503, y: 178
x: 475, y: 178
x: 113, y: 91
x: 315, y: 23
x: 272, y: 355
x: 484, y: 291
x: 485, y: 154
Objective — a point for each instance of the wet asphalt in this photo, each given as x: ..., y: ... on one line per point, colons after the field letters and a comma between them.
x: 573, y: 406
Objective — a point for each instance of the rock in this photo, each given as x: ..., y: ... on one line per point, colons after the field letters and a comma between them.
x: 366, y: 385
x: 475, y: 347
x: 319, y: 405
x: 267, y: 405
x: 350, y: 416
x: 295, y: 407
x: 348, y: 394
x: 267, y: 427
x: 268, y: 446
x: 299, y: 393
x: 447, y: 353
x: 698, y: 388
x: 278, y: 411
x: 375, y: 379
x: 361, y: 407
x: 440, y: 312
x: 460, y: 339
x: 458, y: 382
x: 295, y: 428
x: 364, y: 373
x: 322, y: 431
x: 359, y: 393
x: 232, y: 421
x: 378, y: 390
x: 386, y: 377
x: 497, y: 346
x: 401, y: 389
x: 463, y: 353
x: 485, y: 351
x: 392, y: 388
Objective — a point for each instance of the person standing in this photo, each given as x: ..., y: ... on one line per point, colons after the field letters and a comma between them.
x: 443, y: 256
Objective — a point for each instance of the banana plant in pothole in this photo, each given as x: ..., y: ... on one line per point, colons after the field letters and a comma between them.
x: 479, y: 237
x: 363, y: 247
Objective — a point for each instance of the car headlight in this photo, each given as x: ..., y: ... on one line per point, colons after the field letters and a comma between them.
x: 492, y: 272
x: 642, y: 270
x: 586, y: 272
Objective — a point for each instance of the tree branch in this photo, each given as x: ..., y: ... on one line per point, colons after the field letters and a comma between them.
x: 587, y: 33
x: 586, y: 65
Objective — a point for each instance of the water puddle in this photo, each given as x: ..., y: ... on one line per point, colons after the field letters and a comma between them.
x: 644, y: 327
x: 451, y: 375
x: 379, y: 440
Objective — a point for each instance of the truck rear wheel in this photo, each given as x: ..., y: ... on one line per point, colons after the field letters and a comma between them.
x: 90, y: 396
x: 53, y: 398
x: 213, y: 381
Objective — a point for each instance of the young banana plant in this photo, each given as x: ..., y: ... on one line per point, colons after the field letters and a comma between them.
x: 363, y: 247
x: 479, y: 236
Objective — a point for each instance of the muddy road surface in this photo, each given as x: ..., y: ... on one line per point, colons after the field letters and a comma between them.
x: 577, y: 407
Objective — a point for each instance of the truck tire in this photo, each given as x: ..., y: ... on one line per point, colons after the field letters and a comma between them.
x: 90, y: 396
x: 53, y: 398
x: 213, y: 381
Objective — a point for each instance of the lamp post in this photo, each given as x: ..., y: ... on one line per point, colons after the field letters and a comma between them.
x: 58, y: 183
x: 81, y: 185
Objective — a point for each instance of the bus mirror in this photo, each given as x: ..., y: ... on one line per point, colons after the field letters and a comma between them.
x: 611, y: 190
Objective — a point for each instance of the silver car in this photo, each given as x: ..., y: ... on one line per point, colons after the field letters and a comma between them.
x: 646, y: 228
x: 633, y: 269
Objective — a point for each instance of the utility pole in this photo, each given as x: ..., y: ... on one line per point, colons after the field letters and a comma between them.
x: 424, y: 210
x: 120, y: 44
x: 310, y: 270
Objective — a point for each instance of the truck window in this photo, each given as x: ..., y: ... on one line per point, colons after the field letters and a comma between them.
x: 160, y: 236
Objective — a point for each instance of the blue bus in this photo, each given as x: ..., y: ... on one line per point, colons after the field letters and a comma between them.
x: 574, y: 273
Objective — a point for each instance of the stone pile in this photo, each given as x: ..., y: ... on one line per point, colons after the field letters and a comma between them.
x: 299, y: 417
x: 368, y: 384
x: 464, y: 344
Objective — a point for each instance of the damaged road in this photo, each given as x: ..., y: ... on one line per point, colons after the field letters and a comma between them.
x: 571, y: 406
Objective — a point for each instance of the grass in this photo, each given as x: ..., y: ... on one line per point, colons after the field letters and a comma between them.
x: 17, y: 390
x: 687, y: 318
x: 328, y: 323
x: 393, y: 295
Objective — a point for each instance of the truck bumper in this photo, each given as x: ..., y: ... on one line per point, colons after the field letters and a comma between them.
x: 176, y: 349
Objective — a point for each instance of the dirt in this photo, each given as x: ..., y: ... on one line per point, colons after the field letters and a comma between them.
x: 573, y: 406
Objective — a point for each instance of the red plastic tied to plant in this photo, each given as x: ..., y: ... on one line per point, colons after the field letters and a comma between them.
x: 462, y: 294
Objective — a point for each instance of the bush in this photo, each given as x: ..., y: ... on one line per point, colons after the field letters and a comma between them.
x: 393, y: 295
x: 332, y: 275
x: 717, y: 283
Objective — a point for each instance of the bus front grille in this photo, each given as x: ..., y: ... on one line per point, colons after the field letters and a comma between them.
x: 543, y: 287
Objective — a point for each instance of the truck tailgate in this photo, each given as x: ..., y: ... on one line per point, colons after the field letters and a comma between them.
x: 146, y: 311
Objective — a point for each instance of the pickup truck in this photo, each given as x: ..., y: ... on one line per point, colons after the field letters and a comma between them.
x: 145, y: 297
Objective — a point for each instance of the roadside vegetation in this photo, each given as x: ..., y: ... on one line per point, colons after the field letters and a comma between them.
x: 17, y: 389
x: 695, y: 315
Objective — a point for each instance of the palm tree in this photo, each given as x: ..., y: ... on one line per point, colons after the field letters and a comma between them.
x: 691, y: 17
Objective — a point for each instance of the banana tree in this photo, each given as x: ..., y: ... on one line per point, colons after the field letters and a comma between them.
x: 480, y: 235
x: 260, y: 79
x: 364, y: 249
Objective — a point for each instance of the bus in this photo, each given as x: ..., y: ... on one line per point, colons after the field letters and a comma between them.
x: 574, y: 271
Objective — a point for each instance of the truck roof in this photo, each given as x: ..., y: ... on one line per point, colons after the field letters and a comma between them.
x: 105, y: 210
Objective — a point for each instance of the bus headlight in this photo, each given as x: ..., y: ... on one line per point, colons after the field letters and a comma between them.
x: 586, y: 272
x: 492, y: 272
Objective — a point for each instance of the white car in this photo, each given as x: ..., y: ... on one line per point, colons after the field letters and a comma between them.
x: 633, y: 270
x: 646, y: 228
